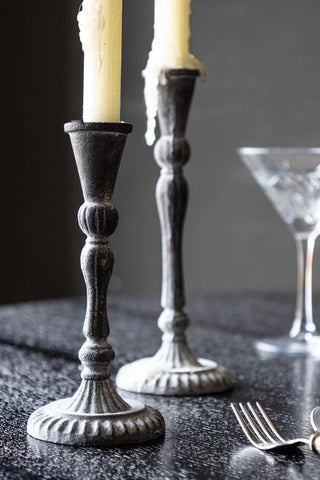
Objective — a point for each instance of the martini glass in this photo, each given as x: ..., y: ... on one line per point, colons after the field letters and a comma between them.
x: 290, y: 178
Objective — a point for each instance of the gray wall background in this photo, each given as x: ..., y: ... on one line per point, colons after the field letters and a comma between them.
x: 262, y: 89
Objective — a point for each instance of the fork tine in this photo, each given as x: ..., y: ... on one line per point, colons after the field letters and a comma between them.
x: 270, y: 434
x: 253, y: 424
x: 269, y: 422
x: 244, y: 426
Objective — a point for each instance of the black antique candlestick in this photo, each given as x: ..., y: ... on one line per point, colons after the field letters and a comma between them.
x: 173, y: 370
x: 96, y: 415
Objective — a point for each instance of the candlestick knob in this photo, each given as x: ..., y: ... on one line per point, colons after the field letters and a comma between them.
x: 173, y: 370
x: 96, y: 415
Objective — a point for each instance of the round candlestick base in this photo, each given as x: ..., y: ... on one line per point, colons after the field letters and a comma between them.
x: 71, y: 423
x: 147, y: 375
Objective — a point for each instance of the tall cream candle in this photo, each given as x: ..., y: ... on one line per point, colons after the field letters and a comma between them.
x: 170, y: 49
x: 100, y: 24
x: 172, y: 32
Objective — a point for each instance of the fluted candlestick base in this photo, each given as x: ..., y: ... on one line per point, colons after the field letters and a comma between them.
x: 95, y: 416
x: 173, y: 370
x: 147, y: 375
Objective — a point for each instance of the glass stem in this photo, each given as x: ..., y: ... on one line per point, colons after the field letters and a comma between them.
x: 303, y: 323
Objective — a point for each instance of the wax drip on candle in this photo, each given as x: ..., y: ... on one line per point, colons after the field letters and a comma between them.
x: 167, y: 52
x: 91, y: 25
x: 100, y: 24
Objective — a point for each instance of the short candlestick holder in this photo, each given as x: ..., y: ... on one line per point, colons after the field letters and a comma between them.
x: 173, y: 370
x: 96, y: 415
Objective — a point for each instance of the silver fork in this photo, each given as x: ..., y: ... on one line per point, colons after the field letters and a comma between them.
x: 262, y: 433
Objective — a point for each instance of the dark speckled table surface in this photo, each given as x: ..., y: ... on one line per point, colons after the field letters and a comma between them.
x: 38, y: 363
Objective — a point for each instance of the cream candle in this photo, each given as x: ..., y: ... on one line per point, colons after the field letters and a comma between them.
x: 172, y: 31
x: 100, y: 24
x: 170, y: 49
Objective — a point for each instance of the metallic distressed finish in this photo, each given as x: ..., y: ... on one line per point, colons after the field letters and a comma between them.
x: 56, y: 423
x: 173, y: 370
x: 96, y: 415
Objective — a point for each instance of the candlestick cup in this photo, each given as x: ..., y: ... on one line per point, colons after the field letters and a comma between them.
x: 173, y: 370
x: 96, y: 415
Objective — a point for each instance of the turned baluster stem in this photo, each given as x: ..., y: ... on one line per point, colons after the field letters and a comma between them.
x: 172, y: 151
x: 97, y: 264
x: 98, y: 166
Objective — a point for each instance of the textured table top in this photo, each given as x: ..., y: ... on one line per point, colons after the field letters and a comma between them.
x: 38, y: 363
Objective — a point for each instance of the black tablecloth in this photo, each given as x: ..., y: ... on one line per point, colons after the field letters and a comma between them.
x: 38, y: 363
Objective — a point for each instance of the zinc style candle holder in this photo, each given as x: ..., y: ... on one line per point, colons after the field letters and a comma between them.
x: 96, y: 415
x: 173, y: 370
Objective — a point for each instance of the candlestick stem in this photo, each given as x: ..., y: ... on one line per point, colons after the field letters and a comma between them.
x: 173, y: 370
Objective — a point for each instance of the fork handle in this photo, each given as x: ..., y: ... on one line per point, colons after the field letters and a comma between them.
x: 314, y: 443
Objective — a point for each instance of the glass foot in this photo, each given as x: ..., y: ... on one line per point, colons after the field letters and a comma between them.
x: 306, y: 344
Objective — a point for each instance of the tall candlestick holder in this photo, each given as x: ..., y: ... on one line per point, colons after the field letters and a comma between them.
x: 173, y: 370
x: 96, y: 415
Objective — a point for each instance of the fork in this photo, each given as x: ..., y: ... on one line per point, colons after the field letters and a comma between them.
x: 262, y: 433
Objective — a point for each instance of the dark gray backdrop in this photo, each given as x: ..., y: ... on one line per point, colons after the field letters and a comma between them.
x: 262, y: 89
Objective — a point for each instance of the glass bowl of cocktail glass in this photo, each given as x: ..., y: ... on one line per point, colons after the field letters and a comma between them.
x: 290, y: 178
